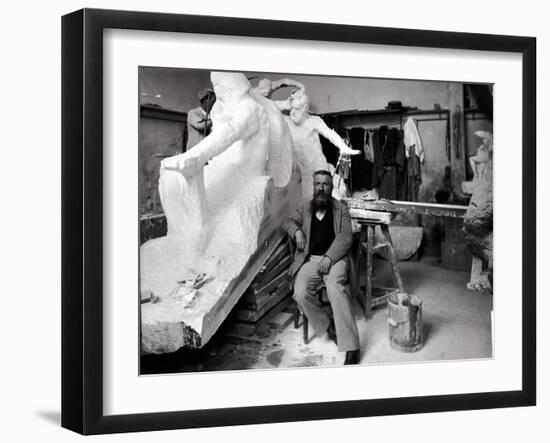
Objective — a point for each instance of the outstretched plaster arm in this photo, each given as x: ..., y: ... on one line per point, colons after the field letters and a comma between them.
x: 223, y: 136
x: 334, y: 138
x: 266, y: 87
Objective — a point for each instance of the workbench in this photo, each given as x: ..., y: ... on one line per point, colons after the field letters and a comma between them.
x: 372, y: 213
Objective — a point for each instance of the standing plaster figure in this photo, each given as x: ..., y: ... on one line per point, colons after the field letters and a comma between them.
x: 305, y: 130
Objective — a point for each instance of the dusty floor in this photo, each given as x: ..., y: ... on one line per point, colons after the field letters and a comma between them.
x: 457, y: 325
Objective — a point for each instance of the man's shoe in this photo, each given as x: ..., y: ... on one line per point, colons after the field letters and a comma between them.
x: 353, y: 357
x: 331, y: 331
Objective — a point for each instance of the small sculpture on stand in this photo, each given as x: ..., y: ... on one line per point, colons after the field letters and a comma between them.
x: 478, y: 221
x: 480, y: 161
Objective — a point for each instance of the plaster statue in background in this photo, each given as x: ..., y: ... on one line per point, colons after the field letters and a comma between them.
x: 199, y: 123
x: 484, y: 155
x: 216, y: 197
x: 305, y: 130
x: 478, y: 221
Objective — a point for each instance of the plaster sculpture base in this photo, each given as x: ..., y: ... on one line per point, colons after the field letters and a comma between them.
x: 479, y: 279
x: 187, y: 317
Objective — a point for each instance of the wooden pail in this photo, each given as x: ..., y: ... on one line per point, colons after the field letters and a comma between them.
x: 405, y: 322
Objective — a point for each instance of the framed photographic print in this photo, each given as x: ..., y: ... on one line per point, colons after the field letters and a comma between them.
x: 273, y: 221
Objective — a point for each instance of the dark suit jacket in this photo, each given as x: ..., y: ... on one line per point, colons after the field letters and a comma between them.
x: 301, y: 219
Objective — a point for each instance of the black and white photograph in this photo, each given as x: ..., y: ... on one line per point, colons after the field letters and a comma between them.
x: 268, y: 221
x: 289, y: 220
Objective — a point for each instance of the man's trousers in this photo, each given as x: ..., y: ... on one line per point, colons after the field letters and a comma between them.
x: 308, y: 281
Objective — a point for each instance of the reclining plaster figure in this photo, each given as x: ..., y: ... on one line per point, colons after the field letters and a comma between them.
x: 216, y: 197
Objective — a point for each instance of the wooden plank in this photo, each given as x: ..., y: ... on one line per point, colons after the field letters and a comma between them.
x: 368, y: 215
x: 279, y: 253
x: 247, y: 329
x: 434, y: 209
x: 265, y: 279
x: 268, y: 287
x: 254, y: 316
x: 282, y: 320
x: 163, y: 113
x: 273, y: 312
x: 263, y: 298
x: 368, y: 280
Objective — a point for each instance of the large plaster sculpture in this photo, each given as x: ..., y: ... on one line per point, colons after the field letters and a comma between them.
x: 478, y: 221
x: 224, y: 201
x: 305, y: 130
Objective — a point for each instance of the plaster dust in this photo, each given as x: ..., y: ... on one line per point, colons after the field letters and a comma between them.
x: 456, y: 326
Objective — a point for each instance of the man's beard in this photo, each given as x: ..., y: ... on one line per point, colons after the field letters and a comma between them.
x: 320, y: 201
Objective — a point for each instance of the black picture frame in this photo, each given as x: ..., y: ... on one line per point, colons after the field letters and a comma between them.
x: 82, y: 218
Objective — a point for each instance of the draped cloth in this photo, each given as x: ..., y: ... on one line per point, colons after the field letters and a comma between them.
x: 412, y: 139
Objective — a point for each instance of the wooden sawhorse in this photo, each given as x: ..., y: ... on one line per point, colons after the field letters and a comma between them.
x: 375, y: 296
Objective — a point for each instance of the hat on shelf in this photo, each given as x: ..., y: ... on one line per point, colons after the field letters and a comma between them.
x: 394, y: 104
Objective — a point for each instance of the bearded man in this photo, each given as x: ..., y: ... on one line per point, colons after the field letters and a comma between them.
x: 322, y: 231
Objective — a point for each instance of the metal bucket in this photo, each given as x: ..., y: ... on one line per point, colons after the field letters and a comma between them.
x: 405, y: 322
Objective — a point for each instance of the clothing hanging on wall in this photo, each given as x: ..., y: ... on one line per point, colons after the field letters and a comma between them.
x: 412, y: 138
x: 361, y: 168
x: 401, y: 163
x: 390, y: 160
x: 367, y: 148
x: 392, y: 167
x: 391, y: 145
x: 414, y: 175
x: 378, y: 164
x: 457, y: 130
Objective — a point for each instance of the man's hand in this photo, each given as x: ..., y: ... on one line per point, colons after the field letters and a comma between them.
x: 300, y: 240
x: 207, y: 122
x: 324, y: 265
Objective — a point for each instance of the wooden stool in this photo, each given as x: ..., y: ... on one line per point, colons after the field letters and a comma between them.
x: 376, y: 296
